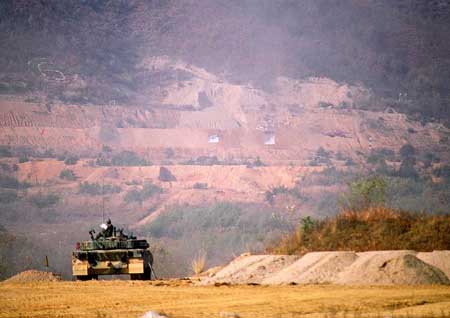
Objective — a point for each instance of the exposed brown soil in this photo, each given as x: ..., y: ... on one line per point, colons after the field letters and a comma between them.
x: 33, y: 276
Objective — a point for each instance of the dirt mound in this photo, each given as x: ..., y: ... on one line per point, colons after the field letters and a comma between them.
x: 248, y: 269
x: 439, y: 259
x: 391, y: 268
x: 343, y: 268
x: 33, y: 276
x: 314, y: 268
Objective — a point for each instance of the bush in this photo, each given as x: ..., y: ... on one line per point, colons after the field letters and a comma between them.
x: 108, y: 133
x: 165, y: 175
x: 68, y: 174
x: 321, y: 156
x: 102, y: 161
x: 5, y: 167
x: 140, y: 196
x: 169, y: 153
x: 442, y: 172
x: 107, y: 149
x: 5, y: 151
x: 44, y: 201
x: 72, y: 160
x: 200, y: 185
x: 23, y: 159
x: 8, y: 197
x: 98, y: 189
x: 271, y: 194
x: 365, y: 193
x: 211, y: 221
x: 128, y: 158
x: 203, y: 161
x: 407, y: 169
x: 379, y: 155
x: 407, y: 150
x: 368, y: 230
x: 12, y: 183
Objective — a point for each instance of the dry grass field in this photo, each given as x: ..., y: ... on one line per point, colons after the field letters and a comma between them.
x: 181, y: 299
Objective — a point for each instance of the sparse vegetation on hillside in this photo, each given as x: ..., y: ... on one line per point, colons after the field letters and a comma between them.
x: 136, y: 195
x: 12, y: 183
x: 68, y: 174
x: 72, y: 160
x: 128, y: 158
x: 98, y: 189
x: 8, y: 196
x: 219, y: 230
x: 368, y: 230
x: 44, y: 200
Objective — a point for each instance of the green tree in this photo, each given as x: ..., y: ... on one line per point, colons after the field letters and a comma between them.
x: 365, y: 193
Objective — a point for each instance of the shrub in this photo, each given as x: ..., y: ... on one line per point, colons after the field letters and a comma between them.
x: 203, y: 161
x: 68, y: 174
x: 367, y: 230
x: 258, y: 162
x: 365, y: 193
x: 407, y: 150
x: 165, y: 175
x: 349, y: 162
x: 98, y: 189
x: 128, y: 158
x: 379, y: 155
x: 140, y: 196
x: 12, y: 183
x: 5, y: 151
x: 200, y: 185
x: 8, y: 197
x: 198, y: 264
x: 271, y: 194
x: 169, y: 153
x: 106, y: 148
x: 442, y: 172
x: 321, y: 156
x: 23, y: 159
x: 407, y: 169
x: 102, y: 161
x: 72, y: 160
x: 325, y: 105
x: 108, y: 133
x: 44, y: 201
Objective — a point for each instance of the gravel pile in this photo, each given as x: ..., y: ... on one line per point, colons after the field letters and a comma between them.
x: 33, y: 276
x: 344, y: 268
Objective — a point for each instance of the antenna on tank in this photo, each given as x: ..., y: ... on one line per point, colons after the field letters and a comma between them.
x: 103, y: 200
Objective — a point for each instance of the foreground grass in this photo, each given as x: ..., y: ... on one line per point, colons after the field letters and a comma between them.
x: 178, y: 299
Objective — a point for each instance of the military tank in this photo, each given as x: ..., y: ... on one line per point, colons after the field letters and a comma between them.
x: 111, y: 252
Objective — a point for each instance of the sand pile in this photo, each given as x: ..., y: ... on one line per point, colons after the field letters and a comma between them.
x: 391, y: 268
x: 314, y: 268
x: 33, y: 276
x: 439, y: 259
x: 344, y: 268
x: 247, y: 269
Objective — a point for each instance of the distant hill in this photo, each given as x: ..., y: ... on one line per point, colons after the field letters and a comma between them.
x: 399, y: 50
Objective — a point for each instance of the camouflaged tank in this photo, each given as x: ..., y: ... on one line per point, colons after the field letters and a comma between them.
x: 111, y: 254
